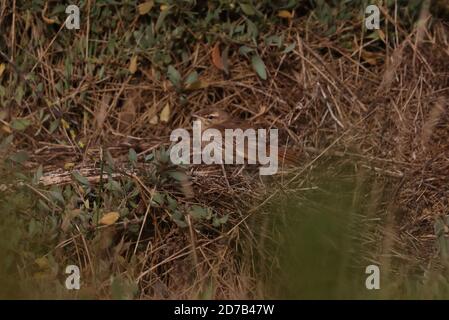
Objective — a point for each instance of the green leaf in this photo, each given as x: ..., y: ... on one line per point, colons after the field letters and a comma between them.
x: 20, y: 124
x: 19, y: 94
x: 109, y: 159
x: 38, y: 174
x: 198, y: 212
x: 132, y: 155
x: 19, y: 157
x: 248, y: 9
x: 274, y: 41
x: 57, y: 196
x: 149, y: 157
x: 20, y: 176
x: 220, y: 221
x: 54, y: 125
x: 259, y: 67
x: 78, y: 177
x: 6, y: 142
x: 124, y: 212
x: 178, y: 218
x: 174, y: 76
x: 163, y: 155
x: 158, y: 199
x: 44, y: 206
x: 172, y: 203
x: 192, y: 78
x: 59, y: 87
x: 180, y: 223
x: 177, y: 215
x: 178, y: 175
x: 289, y: 48
x: 161, y: 19
x: 253, y: 31
x: 113, y: 185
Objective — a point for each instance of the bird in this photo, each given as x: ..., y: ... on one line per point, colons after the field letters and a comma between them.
x: 213, y: 118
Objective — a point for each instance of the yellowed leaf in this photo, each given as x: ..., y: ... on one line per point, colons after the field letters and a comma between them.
x: 199, y: 84
x: 127, y: 114
x: 109, y: 218
x: 285, y: 14
x: 154, y: 120
x: 6, y: 129
x: 2, y: 68
x: 145, y: 7
x: 42, y: 263
x: 165, y: 113
x: 65, y: 124
x: 381, y: 34
x: 69, y: 165
x: 72, y: 134
x: 133, y: 65
x: 102, y: 111
x: 370, y: 57
x: 48, y: 20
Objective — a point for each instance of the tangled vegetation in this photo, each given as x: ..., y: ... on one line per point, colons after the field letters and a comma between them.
x: 86, y: 177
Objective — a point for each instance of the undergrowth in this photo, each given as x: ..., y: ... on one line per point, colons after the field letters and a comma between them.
x: 86, y: 178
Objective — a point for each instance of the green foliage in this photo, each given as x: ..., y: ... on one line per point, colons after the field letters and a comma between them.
x: 163, y: 37
x: 259, y: 67
x: 36, y: 218
x: 20, y: 124
x: 166, y: 173
x: 327, y: 236
x: 27, y: 232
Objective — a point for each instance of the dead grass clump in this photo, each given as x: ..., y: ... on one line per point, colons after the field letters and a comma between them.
x: 196, y: 232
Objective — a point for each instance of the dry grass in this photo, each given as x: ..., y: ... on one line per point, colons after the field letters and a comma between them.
x: 383, y: 112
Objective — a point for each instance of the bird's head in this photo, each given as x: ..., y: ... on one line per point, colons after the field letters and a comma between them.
x: 210, y: 117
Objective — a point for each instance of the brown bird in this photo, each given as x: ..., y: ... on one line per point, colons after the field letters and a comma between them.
x: 220, y: 119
